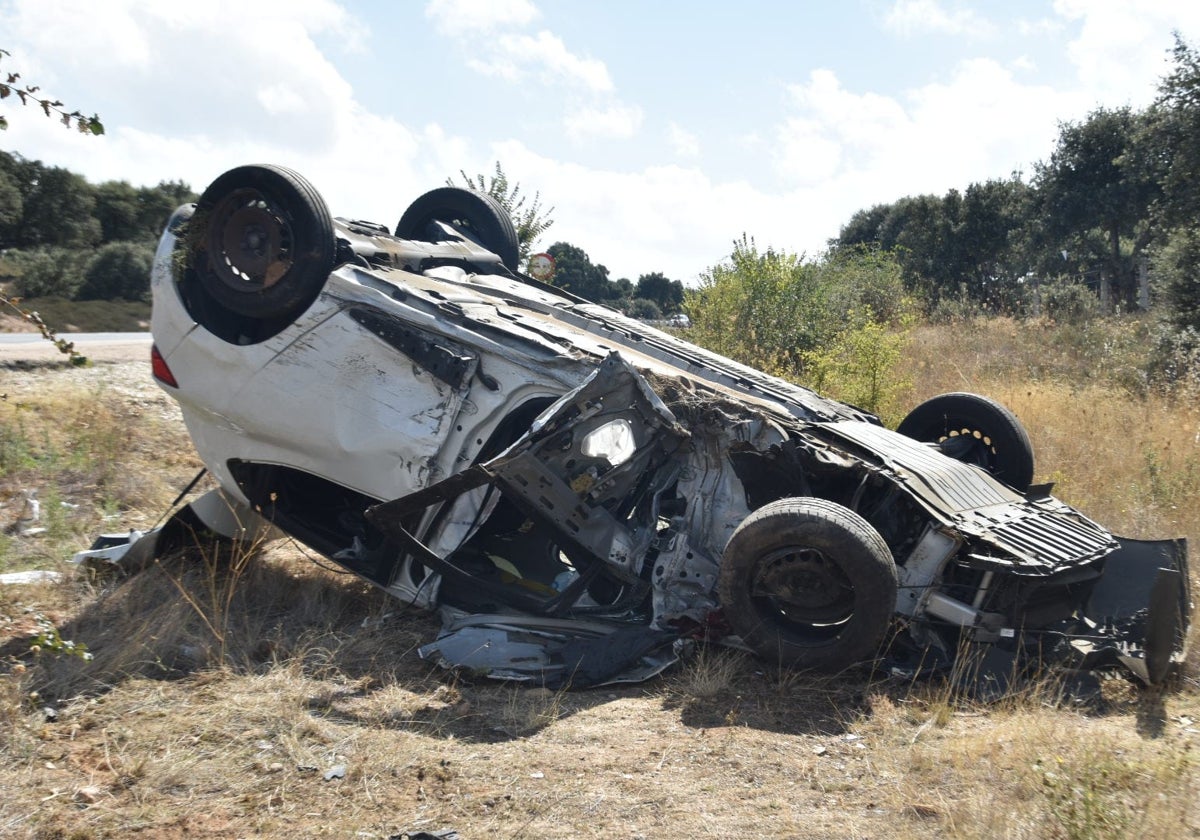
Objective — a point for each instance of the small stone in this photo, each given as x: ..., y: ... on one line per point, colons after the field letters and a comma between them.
x: 89, y: 795
x: 337, y: 771
x: 275, y: 767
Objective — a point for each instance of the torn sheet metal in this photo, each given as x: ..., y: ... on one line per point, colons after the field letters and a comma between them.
x: 555, y: 653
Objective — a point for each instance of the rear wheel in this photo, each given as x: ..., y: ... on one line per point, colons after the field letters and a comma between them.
x: 809, y: 584
x: 975, y: 430
x: 264, y: 244
x: 476, y: 214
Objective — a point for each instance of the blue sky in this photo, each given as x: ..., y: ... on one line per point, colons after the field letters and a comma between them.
x: 659, y: 131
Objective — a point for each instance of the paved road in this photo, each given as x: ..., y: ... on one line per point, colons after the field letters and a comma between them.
x: 100, y: 347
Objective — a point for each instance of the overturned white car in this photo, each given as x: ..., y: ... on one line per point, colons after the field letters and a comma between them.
x: 579, y: 491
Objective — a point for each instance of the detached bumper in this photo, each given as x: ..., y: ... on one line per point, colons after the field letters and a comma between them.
x: 1138, y: 613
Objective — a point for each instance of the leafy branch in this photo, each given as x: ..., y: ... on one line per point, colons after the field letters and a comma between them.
x: 64, y: 346
x: 30, y: 95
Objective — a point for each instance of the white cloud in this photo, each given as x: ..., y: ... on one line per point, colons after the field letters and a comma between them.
x: 919, y: 17
x: 557, y: 64
x: 1038, y: 28
x: 805, y: 153
x: 616, y: 121
x: 456, y: 17
x: 1023, y: 63
x: 281, y: 99
x: 980, y: 123
x: 1120, y: 52
x: 265, y: 93
x: 512, y: 57
x: 683, y: 143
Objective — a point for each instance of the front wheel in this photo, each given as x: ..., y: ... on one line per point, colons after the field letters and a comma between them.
x: 808, y: 583
x: 975, y: 430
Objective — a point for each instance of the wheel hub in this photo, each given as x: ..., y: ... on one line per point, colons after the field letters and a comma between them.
x: 805, y: 586
x: 969, y: 446
x: 251, y: 241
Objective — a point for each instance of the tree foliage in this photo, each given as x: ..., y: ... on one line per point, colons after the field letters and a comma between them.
x: 1174, y: 126
x: 1094, y: 196
x: 575, y: 272
x: 530, y: 221
x: 66, y: 238
x: 667, y: 295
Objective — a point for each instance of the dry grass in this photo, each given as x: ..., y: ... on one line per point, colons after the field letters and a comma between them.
x: 222, y: 693
x: 1127, y: 456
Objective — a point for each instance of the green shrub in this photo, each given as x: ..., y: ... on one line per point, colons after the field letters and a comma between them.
x: 119, y: 270
x: 771, y: 309
x: 1177, y: 267
x: 48, y: 272
x: 1069, y: 301
x: 858, y: 366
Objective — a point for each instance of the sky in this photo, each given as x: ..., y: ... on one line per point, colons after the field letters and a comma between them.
x: 658, y: 131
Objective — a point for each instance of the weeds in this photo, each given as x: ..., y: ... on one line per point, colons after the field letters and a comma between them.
x: 50, y: 640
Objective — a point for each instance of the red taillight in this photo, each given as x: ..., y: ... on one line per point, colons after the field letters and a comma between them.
x: 158, y: 366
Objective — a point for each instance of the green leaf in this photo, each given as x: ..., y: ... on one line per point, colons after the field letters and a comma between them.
x: 95, y: 126
x: 3, y: 123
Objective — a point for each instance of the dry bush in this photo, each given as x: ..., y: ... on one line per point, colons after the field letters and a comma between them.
x: 214, y: 607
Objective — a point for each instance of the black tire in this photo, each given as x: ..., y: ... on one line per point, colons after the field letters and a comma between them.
x: 808, y: 583
x: 975, y: 430
x: 476, y: 214
x: 265, y: 244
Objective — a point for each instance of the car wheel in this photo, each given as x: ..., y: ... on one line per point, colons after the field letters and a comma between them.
x: 264, y: 242
x: 476, y: 214
x: 975, y: 430
x: 808, y: 583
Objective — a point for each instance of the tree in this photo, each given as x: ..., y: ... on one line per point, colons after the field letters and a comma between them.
x: 1173, y: 126
x: 119, y: 270
x: 863, y: 227
x: 156, y: 204
x: 989, y: 241
x: 12, y: 207
x: 117, y: 211
x: 666, y: 294
x: 59, y: 210
x: 1094, y: 195
x: 919, y: 229
x: 574, y: 271
x: 762, y: 308
x: 29, y: 94
x: 530, y: 222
